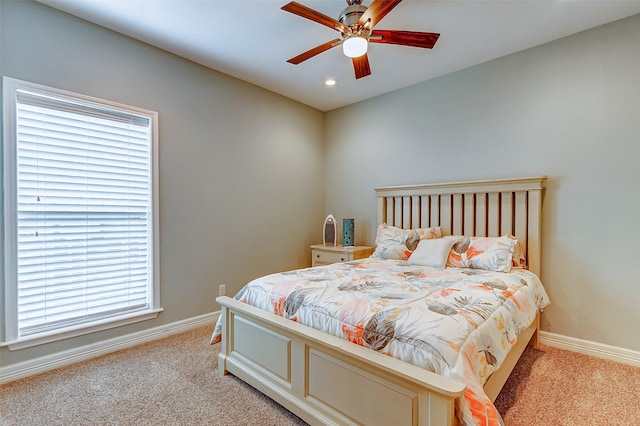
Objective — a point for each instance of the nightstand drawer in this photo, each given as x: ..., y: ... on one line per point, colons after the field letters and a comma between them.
x: 322, y: 257
x: 325, y: 255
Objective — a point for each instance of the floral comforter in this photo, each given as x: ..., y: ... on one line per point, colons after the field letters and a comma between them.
x: 457, y: 322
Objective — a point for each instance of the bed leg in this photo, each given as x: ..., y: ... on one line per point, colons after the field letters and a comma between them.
x: 221, y: 364
x: 535, y: 339
x: 224, y: 349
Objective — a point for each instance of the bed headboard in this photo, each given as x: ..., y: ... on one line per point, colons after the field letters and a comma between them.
x: 487, y: 208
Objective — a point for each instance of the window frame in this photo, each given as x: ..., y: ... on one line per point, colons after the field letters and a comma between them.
x: 11, y: 336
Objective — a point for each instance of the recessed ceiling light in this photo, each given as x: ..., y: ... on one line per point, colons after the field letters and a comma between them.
x: 329, y: 82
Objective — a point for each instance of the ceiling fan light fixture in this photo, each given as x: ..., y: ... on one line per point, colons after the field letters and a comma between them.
x: 355, y: 46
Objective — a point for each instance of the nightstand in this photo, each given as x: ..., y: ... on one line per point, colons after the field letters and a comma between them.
x: 324, y: 255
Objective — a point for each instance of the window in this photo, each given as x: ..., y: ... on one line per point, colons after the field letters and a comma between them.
x: 80, y: 214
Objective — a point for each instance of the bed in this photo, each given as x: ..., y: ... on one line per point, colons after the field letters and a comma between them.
x: 351, y: 375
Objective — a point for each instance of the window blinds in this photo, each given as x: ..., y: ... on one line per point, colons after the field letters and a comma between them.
x: 84, y: 249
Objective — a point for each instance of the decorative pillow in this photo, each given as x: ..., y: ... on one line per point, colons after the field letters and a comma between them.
x: 519, y: 261
x: 460, y: 246
x: 490, y: 253
x: 422, y: 234
x: 429, y: 233
x: 396, y: 243
x: 391, y: 242
x: 432, y: 252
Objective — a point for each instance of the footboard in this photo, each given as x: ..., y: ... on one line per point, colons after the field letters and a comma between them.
x: 326, y: 380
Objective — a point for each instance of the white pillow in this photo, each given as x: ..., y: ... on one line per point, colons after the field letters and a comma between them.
x: 433, y: 253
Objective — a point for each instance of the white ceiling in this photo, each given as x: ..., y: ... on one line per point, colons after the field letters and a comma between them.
x: 252, y: 39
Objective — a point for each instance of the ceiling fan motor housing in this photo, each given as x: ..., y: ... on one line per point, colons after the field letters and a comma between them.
x: 350, y: 16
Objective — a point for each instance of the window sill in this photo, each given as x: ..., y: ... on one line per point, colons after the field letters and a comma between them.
x: 52, y: 336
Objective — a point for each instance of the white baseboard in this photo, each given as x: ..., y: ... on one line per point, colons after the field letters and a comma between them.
x: 60, y: 359
x: 586, y: 347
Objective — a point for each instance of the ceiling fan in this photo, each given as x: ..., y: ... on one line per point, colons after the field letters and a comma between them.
x: 355, y: 25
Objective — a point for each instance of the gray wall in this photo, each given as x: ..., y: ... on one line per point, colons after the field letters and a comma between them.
x: 570, y: 110
x: 241, y: 175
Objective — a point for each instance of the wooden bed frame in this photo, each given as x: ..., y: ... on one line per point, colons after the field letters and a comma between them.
x: 326, y: 380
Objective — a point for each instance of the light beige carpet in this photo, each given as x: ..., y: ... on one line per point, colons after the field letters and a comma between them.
x: 174, y: 381
x: 550, y: 386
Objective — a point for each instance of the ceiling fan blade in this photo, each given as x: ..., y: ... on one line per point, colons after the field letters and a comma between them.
x: 376, y: 11
x: 320, y: 18
x: 313, y: 52
x: 405, y: 38
x: 361, y: 66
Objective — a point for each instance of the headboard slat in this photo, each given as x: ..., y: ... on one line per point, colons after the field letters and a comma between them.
x: 506, y: 213
x: 434, y: 211
x: 397, y: 212
x: 458, y: 215
x: 445, y: 214
x: 493, y: 214
x: 479, y: 208
x: 425, y: 209
x: 406, y: 212
x: 415, y: 211
x: 469, y: 214
x: 481, y: 215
